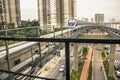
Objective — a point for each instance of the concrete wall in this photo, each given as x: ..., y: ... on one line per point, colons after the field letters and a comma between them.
x: 22, y: 55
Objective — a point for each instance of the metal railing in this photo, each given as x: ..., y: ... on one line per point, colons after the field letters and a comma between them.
x: 67, y: 42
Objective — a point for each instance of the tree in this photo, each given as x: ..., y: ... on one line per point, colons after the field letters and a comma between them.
x: 10, y: 25
x: 34, y: 23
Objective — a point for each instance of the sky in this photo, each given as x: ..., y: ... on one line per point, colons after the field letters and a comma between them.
x: 84, y: 8
x: 29, y: 9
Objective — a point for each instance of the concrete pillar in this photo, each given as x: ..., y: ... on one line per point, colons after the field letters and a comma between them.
x: 111, y: 62
x: 75, y: 57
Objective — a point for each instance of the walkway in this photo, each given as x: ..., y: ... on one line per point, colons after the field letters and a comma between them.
x: 98, y: 74
x: 85, y: 70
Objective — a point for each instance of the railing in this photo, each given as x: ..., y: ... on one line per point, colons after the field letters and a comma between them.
x: 67, y: 42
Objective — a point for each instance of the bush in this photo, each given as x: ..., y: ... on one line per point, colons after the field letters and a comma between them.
x: 18, y: 35
x: 10, y: 25
x: 106, y: 66
x: 85, y: 51
x: 2, y: 43
x: 103, y: 54
x: 90, y: 71
x: 76, y: 75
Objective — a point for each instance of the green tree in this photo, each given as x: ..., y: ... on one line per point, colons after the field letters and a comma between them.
x: 34, y: 23
x: 10, y: 25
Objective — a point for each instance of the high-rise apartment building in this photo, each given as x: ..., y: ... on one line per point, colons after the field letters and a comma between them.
x: 99, y: 18
x: 55, y: 13
x: 11, y: 11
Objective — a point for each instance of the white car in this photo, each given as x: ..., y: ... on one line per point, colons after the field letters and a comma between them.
x: 62, y: 67
x: 117, y: 73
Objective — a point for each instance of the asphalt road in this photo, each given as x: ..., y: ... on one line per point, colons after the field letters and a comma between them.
x: 97, y: 63
x: 55, y: 73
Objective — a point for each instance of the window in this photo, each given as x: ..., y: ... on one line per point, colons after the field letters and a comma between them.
x: 16, y: 62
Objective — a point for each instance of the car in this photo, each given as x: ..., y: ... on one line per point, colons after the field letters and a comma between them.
x: 118, y: 49
x: 62, y: 68
x: 117, y: 73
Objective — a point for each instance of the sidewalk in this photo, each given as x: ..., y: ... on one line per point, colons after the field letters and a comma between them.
x: 85, y: 70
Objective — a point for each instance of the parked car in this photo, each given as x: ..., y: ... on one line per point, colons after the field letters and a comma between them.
x: 117, y: 73
x: 62, y: 68
x: 118, y: 49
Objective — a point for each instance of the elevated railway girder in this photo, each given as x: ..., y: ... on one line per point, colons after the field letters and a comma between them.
x: 115, y: 33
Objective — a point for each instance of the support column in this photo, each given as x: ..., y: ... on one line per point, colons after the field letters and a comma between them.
x: 75, y: 57
x: 111, y: 63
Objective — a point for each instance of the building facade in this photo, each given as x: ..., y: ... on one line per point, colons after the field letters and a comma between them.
x: 55, y: 13
x: 99, y: 18
x: 11, y: 12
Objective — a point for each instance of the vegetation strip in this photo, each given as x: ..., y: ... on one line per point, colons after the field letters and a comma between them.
x: 76, y: 75
x: 90, y: 71
x: 106, y: 66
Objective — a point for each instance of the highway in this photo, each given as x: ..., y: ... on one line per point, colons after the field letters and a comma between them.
x: 55, y: 72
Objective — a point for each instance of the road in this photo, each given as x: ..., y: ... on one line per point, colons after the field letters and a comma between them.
x: 55, y: 72
x: 97, y: 63
x: 45, y: 59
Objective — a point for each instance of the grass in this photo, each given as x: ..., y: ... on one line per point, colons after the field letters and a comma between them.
x: 103, y: 54
x: 76, y: 75
x: 90, y: 71
x: 85, y: 51
x: 2, y: 43
x: 106, y: 66
x: 111, y: 78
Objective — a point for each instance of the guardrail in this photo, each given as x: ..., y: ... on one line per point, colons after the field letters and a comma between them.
x: 67, y: 42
